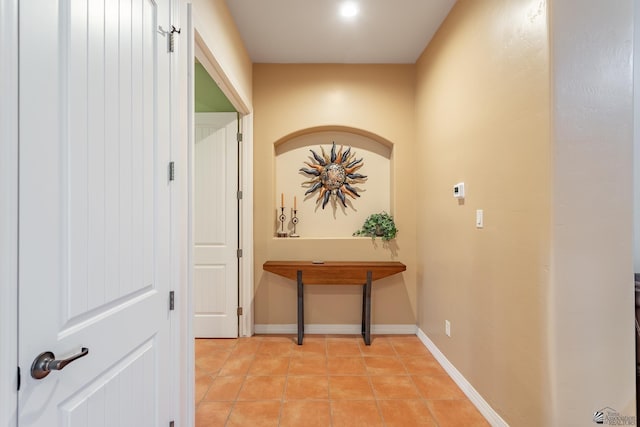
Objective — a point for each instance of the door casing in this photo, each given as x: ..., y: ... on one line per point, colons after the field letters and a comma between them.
x: 8, y: 211
x: 188, y: 46
x: 207, y: 59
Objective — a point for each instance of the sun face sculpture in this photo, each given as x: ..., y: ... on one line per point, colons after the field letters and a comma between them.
x: 334, y: 174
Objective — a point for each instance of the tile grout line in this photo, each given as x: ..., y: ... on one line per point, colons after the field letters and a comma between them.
x: 375, y: 396
x: 326, y: 357
x: 233, y: 404
x: 402, y: 357
x: 246, y: 374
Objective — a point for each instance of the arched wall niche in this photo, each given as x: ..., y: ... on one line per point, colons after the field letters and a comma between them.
x: 335, y: 128
x: 335, y: 220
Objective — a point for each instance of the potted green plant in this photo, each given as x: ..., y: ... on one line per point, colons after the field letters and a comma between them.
x: 378, y: 225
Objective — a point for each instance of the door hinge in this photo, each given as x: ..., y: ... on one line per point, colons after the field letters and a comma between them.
x: 239, y: 253
x: 239, y: 311
x: 19, y: 379
x: 239, y: 195
x: 172, y: 171
x: 172, y: 300
x: 239, y: 137
x: 172, y: 34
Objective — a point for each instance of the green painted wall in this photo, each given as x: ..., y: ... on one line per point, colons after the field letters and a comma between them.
x: 208, y: 96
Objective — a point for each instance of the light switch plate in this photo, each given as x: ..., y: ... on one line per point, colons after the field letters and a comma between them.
x: 479, y: 218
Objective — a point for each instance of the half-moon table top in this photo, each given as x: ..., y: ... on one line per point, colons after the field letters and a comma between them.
x: 334, y: 272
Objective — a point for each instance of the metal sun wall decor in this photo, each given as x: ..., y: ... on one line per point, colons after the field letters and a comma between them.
x: 334, y: 174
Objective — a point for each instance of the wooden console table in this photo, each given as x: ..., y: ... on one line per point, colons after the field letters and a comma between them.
x: 335, y: 273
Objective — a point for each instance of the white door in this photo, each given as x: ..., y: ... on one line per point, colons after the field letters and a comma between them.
x: 215, y: 275
x: 94, y: 201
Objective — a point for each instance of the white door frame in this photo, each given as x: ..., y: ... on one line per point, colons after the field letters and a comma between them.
x: 246, y: 226
x: 183, y: 117
x: 207, y: 59
x: 8, y: 212
x: 245, y: 263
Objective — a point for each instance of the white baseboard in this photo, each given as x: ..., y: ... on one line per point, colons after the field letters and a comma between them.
x: 348, y: 329
x: 485, y: 409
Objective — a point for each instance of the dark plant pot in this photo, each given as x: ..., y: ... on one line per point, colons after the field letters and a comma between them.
x: 379, y: 231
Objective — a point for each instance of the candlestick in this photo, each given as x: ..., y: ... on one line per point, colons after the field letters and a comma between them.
x: 282, y: 218
x: 294, y: 221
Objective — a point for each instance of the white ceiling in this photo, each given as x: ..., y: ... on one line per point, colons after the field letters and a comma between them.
x: 312, y: 31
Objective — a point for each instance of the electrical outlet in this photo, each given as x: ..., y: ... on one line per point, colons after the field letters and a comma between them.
x: 447, y: 328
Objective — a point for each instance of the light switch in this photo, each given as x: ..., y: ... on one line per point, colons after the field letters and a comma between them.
x: 458, y: 190
x: 479, y: 218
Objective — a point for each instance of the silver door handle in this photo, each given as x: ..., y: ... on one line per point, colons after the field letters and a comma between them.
x: 46, y: 362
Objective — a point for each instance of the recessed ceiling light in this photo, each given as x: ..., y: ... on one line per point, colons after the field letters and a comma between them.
x: 349, y: 9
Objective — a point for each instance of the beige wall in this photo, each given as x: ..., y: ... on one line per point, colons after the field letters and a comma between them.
x: 213, y: 21
x: 522, y: 101
x: 482, y: 116
x: 372, y: 99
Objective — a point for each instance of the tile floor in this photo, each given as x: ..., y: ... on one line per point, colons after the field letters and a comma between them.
x: 328, y: 381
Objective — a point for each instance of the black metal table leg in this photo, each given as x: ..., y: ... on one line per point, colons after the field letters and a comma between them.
x: 364, y: 305
x: 300, y: 308
x: 367, y: 310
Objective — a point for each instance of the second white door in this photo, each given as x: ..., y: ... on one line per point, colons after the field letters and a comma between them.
x: 215, y: 276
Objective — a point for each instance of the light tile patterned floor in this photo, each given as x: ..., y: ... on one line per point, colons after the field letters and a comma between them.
x: 329, y: 381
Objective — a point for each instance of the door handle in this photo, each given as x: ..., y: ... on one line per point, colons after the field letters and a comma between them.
x: 46, y: 362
